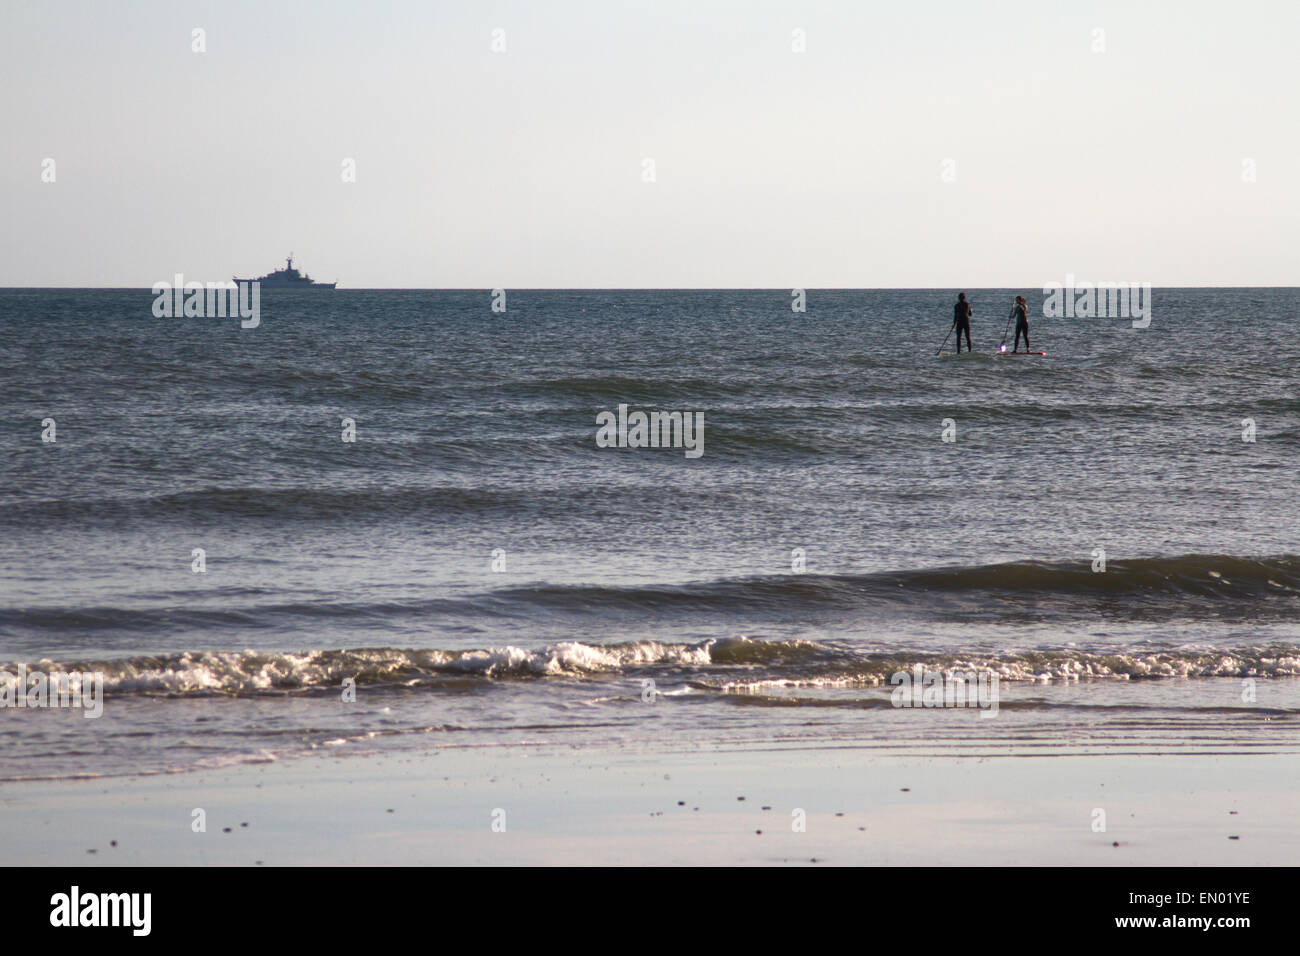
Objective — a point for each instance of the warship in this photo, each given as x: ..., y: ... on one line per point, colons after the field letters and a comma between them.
x: 288, y: 278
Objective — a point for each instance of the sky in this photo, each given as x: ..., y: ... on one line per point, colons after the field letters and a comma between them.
x: 663, y: 144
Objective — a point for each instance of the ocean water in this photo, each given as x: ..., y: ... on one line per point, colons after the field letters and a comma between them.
x: 486, y: 574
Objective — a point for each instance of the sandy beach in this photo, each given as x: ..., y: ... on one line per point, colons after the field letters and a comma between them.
x: 649, y: 434
x: 551, y: 805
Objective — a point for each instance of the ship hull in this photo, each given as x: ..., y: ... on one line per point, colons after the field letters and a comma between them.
x: 274, y: 284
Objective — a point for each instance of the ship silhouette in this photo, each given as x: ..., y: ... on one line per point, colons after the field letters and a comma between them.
x: 288, y: 278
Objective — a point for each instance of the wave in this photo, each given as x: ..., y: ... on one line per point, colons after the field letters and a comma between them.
x: 1210, y: 575
x: 1214, y: 576
x: 612, y: 389
x: 289, y: 504
x: 729, y: 665
x: 1189, y: 587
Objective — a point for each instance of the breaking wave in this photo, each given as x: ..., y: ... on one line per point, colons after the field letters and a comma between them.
x: 723, y: 665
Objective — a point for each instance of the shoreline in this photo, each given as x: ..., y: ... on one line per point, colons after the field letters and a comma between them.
x: 548, y: 804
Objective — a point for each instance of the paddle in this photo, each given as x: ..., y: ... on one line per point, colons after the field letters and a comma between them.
x: 945, y: 339
x: 1003, y: 345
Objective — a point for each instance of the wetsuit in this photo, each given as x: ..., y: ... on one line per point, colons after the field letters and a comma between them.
x: 961, y: 322
x: 1021, y: 313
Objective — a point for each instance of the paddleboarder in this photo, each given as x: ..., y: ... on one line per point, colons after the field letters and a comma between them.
x: 961, y: 313
x: 1020, y: 311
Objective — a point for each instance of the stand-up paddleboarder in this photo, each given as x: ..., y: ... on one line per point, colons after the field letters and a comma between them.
x: 1021, y: 313
x: 961, y: 313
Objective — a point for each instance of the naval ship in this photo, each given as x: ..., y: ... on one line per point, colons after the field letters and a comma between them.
x: 288, y: 278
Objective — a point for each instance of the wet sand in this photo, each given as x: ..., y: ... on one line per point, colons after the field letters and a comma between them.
x: 551, y: 805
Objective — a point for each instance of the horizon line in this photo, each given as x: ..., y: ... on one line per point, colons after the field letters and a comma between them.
x: 727, y: 288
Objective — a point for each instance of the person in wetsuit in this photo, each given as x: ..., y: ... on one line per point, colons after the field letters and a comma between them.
x: 961, y: 313
x: 1021, y: 312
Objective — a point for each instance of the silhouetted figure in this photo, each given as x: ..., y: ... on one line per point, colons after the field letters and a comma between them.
x: 1021, y: 312
x: 961, y: 313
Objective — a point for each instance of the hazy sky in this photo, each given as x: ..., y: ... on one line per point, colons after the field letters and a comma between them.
x: 525, y: 168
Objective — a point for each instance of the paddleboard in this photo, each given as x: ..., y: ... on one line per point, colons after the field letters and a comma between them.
x: 1019, y: 353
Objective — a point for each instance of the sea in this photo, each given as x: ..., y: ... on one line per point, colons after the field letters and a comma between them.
x: 385, y: 521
